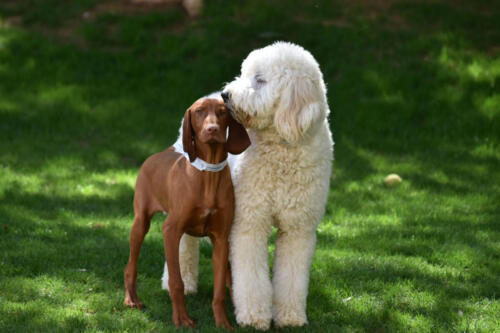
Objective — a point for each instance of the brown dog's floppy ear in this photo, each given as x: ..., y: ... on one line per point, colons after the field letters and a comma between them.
x: 238, y: 139
x: 187, y: 136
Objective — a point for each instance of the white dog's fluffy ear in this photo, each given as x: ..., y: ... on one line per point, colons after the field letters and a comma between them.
x: 300, y: 107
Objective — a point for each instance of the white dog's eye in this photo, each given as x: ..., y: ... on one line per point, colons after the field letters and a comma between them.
x: 259, y: 80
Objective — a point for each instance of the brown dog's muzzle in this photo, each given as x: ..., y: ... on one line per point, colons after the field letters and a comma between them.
x: 213, y: 133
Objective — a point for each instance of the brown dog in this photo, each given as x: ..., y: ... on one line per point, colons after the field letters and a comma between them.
x: 199, y: 203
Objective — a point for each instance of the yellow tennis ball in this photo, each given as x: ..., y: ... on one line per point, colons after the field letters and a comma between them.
x: 392, y: 179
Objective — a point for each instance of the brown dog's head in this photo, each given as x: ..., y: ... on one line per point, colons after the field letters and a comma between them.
x: 207, y: 120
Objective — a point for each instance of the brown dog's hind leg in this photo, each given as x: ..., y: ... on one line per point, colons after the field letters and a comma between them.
x: 140, y: 227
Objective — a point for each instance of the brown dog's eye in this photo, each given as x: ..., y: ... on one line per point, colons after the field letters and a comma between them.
x: 198, y: 111
x: 221, y: 113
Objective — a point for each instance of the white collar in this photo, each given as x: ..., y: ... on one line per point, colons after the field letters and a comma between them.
x: 198, y: 162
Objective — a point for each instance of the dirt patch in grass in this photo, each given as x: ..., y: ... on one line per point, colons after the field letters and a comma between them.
x: 69, y: 30
x: 13, y: 21
x: 379, y: 11
x: 130, y: 7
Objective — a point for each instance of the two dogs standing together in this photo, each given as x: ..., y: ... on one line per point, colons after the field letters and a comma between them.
x: 276, y: 116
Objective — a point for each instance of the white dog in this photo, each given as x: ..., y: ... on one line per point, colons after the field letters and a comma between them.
x: 281, y: 180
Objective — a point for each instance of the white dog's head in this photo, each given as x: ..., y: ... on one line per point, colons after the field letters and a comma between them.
x: 280, y: 86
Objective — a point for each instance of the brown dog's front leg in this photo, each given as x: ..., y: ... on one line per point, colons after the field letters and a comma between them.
x: 139, y: 230
x: 220, y: 265
x: 171, y: 238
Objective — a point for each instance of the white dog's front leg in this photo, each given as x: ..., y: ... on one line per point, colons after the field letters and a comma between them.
x: 293, y: 257
x: 252, y: 289
x: 189, y: 255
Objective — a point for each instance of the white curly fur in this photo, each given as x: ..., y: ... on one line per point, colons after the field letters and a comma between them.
x: 281, y: 180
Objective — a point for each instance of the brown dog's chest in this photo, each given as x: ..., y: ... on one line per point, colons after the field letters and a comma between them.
x: 204, y: 221
x: 210, y: 207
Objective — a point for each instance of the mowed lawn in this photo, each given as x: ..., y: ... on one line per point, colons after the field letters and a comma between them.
x: 89, y: 89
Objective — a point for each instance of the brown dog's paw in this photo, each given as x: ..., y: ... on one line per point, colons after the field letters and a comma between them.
x: 133, y: 304
x: 221, y: 318
x: 183, y: 321
x: 224, y: 324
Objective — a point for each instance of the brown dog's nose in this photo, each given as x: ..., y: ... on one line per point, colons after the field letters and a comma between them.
x: 212, y: 128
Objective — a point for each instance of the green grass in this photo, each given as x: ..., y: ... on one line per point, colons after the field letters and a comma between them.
x: 413, y: 88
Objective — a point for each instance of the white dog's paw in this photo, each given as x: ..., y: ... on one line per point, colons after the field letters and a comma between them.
x: 288, y: 316
x: 258, y: 319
